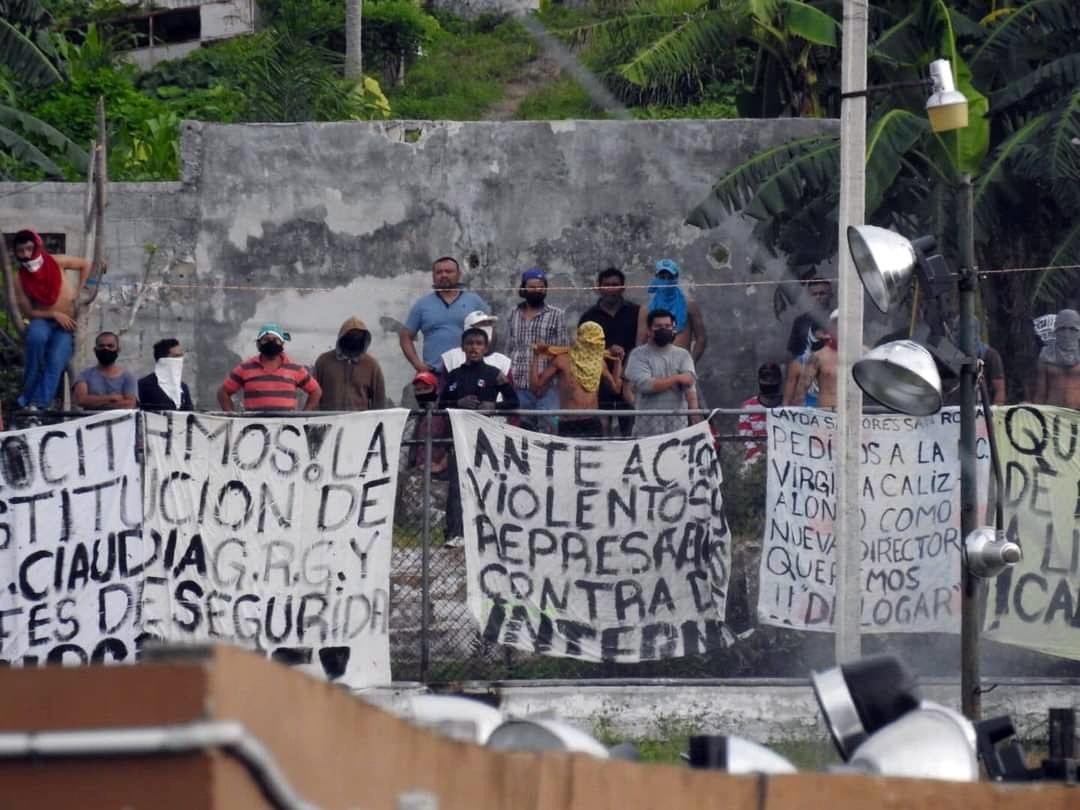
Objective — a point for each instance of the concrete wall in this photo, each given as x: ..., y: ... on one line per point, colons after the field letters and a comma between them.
x: 306, y: 224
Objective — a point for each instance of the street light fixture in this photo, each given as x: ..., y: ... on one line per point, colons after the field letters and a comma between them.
x: 947, y: 108
x: 898, y: 376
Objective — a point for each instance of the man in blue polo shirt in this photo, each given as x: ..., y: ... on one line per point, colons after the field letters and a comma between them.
x: 439, y: 316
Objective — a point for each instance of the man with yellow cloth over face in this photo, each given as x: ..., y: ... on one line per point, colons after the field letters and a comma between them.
x: 579, y: 369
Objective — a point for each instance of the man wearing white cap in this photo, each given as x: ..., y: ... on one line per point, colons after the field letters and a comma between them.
x: 455, y: 357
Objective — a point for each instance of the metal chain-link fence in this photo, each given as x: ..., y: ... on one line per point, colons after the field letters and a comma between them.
x: 435, y: 638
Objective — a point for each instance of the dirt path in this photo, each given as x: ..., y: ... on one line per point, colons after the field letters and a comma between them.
x: 536, y: 74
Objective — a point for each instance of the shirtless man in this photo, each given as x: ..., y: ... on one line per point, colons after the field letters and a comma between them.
x: 1057, y: 378
x: 668, y: 295
x: 46, y: 298
x: 822, y: 366
x: 579, y: 369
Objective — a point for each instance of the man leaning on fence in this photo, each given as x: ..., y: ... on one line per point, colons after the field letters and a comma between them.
x: 578, y: 369
x: 663, y: 378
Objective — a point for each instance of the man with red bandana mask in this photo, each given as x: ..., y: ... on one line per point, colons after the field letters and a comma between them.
x: 46, y: 298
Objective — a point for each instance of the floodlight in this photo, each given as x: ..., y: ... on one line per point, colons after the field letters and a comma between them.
x: 987, y: 553
x: 735, y: 755
x: 884, y: 260
x: 947, y: 108
x: 544, y: 734
x: 454, y: 716
x: 901, y: 375
x: 859, y: 698
x: 931, y: 742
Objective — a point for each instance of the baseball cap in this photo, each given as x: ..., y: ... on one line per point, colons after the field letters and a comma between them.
x: 426, y: 378
x: 532, y: 273
x: 668, y: 266
x: 479, y: 316
x: 273, y: 329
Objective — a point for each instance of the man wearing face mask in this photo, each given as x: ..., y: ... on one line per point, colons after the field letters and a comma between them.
x: 350, y: 378
x: 821, y: 367
x: 754, y: 425
x: 534, y: 321
x: 1057, y: 376
x: 163, y: 390
x: 663, y: 378
x: 669, y: 296
x: 619, y: 320
x: 105, y: 386
x: 271, y: 380
x: 46, y: 298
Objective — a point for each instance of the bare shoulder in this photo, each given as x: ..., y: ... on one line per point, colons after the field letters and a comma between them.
x: 71, y: 262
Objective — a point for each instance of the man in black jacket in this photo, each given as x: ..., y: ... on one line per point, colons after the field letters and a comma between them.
x: 162, y: 390
x: 476, y: 386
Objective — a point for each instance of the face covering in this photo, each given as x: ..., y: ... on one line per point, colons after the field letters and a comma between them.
x: 534, y: 299
x: 662, y: 337
x: 168, y: 371
x: 611, y: 297
x: 353, y: 342
x: 769, y: 393
x: 33, y: 265
x: 106, y: 357
x: 270, y: 349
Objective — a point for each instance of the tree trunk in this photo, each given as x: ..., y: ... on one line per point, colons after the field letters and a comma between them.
x: 354, y: 63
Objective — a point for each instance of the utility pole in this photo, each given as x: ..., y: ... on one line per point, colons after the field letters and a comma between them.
x: 848, y: 396
x: 971, y: 586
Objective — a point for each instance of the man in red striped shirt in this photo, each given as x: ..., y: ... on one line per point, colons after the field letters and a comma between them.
x: 754, y: 425
x: 269, y: 380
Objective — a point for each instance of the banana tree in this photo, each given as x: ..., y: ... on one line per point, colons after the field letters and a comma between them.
x: 1022, y: 149
x: 28, y: 60
x: 658, y: 45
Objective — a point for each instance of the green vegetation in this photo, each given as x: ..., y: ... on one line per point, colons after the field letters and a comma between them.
x: 561, y: 99
x: 463, y: 73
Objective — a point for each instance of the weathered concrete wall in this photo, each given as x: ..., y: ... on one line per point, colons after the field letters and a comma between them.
x: 307, y: 224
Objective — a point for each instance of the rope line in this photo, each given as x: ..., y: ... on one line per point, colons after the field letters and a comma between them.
x: 389, y: 283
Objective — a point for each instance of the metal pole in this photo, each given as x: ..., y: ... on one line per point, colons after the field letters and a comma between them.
x: 848, y: 396
x: 425, y: 549
x: 971, y: 586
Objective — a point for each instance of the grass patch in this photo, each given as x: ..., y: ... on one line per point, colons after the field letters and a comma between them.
x: 559, y: 100
x: 462, y: 73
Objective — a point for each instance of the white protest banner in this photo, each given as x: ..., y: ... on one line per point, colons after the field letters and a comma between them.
x: 597, y: 550
x: 71, y: 548
x: 909, y: 502
x: 1037, y: 603
x: 275, y: 534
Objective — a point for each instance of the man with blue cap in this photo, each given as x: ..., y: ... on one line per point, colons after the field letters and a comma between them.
x: 667, y: 295
x: 531, y: 322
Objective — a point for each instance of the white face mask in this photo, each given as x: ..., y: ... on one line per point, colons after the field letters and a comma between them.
x: 33, y: 265
x: 168, y: 371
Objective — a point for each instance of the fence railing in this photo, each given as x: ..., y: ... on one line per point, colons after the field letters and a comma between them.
x: 434, y: 638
